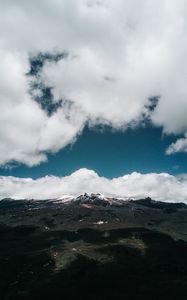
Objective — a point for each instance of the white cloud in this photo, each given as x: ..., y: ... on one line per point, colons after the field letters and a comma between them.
x: 179, y: 146
x: 26, y: 132
x: 121, y: 52
x: 162, y: 186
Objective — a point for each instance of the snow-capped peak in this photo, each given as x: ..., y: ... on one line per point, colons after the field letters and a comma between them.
x: 66, y: 198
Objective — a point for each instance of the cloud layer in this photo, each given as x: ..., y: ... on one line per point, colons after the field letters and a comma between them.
x: 158, y: 186
x: 121, y: 53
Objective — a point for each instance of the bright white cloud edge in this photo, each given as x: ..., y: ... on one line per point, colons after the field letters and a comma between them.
x: 163, y: 187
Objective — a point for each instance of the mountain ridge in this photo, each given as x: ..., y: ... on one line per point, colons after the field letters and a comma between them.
x: 97, y: 199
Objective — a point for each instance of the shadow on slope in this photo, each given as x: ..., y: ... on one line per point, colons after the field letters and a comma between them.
x: 129, y: 263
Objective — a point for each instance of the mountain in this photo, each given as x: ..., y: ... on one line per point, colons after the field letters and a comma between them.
x: 100, y: 199
x: 93, y: 245
x: 96, y: 199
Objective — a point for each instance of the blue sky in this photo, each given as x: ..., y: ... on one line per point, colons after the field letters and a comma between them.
x: 110, y: 154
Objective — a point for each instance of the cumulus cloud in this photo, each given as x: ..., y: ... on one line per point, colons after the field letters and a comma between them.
x: 26, y: 132
x: 162, y: 186
x: 121, y: 53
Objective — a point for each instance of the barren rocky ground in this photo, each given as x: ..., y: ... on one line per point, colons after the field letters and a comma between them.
x: 93, y: 249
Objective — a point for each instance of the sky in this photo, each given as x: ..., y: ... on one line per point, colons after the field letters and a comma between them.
x: 93, y: 91
x: 110, y: 154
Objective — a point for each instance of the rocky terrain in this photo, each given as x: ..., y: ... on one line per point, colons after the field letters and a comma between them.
x: 93, y: 247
